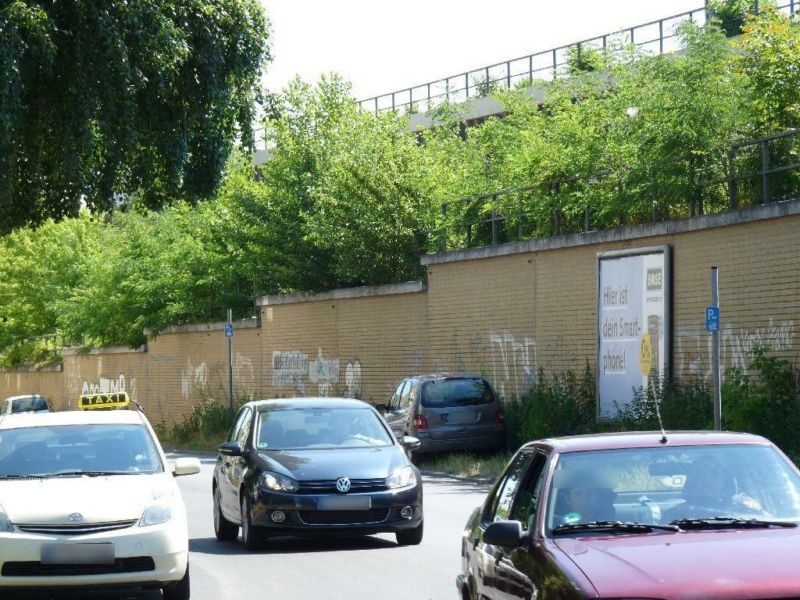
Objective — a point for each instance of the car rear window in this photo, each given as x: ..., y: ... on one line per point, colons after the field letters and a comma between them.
x: 466, y: 391
x: 32, y: 404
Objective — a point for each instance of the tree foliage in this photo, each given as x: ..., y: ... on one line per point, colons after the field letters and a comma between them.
x: 107, y: 102
x: 350, y: 198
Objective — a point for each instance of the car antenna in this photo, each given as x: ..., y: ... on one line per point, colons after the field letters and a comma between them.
x: 657, y: 403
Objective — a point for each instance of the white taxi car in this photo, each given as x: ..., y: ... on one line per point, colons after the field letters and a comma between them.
x: 88, y: 500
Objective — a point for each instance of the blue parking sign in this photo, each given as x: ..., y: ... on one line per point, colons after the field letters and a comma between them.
x: 712, y: 318
x: 228, y: 329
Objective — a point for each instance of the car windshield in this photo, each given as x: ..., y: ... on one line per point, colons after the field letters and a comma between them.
x: 77, y: 449
x: 672, y: 485
x: 443, y: 393
x: 310, y: 428
x: 32, y: 404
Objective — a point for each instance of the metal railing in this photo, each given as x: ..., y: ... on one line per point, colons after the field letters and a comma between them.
x: 747, y: 173
x: 656, y: 37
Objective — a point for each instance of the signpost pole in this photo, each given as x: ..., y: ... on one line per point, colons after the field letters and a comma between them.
x: 717, y: 383
x: 229, y: 335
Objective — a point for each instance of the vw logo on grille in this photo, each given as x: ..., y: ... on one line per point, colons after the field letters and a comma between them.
x: 343, y: 484
x: 75, y: 517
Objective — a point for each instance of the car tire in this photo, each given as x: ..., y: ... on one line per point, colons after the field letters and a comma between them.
x: 252, y: 538
x: 179, y: 590
x: 223, y: 529
x: 410, y: 537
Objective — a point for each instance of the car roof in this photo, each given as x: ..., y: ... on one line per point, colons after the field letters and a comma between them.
x: 647, y: 439
x: 447, y: 375
x: 71, y: 417
x: 308, y: 402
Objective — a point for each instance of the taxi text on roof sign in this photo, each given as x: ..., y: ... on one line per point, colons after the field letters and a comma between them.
x: 103, y: 401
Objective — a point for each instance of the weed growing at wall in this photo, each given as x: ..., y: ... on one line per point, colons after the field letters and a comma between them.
x: 765, y: 400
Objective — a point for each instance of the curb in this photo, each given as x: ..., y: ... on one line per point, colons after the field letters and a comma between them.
x: 477, y: 480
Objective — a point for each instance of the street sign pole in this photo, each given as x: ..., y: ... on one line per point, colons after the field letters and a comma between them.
x: 717, y: 382
x: 229, y: 335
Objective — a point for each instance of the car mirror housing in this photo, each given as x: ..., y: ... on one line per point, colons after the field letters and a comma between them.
x: 507, y: 534
x: 186, y: 466
x: 381, y: 407
x: 410, y: 442
x: 230, y: 449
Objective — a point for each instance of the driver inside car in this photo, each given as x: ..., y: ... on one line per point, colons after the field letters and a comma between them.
x: 584, y: 498
x: 711, y: 490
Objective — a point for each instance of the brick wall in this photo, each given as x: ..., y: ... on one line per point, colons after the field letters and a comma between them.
x: 506, y: 311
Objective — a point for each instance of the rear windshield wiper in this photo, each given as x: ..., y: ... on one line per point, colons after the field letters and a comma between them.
x: 88, y: 473
x: 728, y: 523
x: 613, y: 527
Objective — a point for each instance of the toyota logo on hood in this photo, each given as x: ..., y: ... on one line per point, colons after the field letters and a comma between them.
x: 343, y: 484
x: 75, y: 517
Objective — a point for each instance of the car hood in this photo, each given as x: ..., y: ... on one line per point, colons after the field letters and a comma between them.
x: 97, y: 499
x: 727, y: 564
x: 315, y: 465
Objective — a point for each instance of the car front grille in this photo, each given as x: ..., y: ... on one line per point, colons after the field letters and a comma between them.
x: 327, y: 486
x: 36, y: 569
x: 344, y: 517
x: 76, y: 528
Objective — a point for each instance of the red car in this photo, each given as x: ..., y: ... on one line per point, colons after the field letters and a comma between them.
x: 638, y: 515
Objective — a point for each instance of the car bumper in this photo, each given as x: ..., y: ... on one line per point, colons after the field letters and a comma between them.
x: 461, y: 584
x: 146, y: 557
x: 430, y: 445
x: 303, y: 517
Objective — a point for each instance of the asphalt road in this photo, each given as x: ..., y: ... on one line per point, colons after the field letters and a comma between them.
x: 366, y: 568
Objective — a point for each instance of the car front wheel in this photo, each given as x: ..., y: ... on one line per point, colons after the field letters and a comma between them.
x: 252, y: 538
x: 179, y: 590
x: 410, y: 537
x: 223, y: 529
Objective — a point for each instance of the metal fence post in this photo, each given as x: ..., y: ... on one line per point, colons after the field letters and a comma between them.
x: 494, y: 220
x: 444, y: 227
x: 466, y: 84
x: 733, y: 200
x: 764, y: 175
x: 661, y: 36
x: 755, y: 6
x: 587, y: 218
x: 555, y: 63
x: 530, y: 68
x: 508, y: 74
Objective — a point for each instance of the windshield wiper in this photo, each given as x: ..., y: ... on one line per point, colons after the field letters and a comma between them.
x: 88, y: 473
x: 614, y: 527
x: 16, y: 476
x: 728, y: 523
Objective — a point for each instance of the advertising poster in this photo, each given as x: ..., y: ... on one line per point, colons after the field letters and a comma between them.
x: 633, y: 324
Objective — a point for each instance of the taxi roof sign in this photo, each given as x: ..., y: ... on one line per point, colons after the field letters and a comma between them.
x: 103, y: 401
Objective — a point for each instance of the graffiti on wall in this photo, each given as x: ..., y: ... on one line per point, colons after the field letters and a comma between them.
x: 513, y: 364
x: 193, y: 377
x: 693, y: 348
x: 293, y: 369
x: 110, y: 385
x: 352, y: 379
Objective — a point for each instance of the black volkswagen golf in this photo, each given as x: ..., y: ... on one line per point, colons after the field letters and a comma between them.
x: 315, y: 466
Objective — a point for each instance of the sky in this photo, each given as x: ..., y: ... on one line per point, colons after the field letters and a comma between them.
x: 382, y: 46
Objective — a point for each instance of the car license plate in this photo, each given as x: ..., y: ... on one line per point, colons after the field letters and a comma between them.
x: 78, y: 554
x: 344, y: 503
x: 462, y: 418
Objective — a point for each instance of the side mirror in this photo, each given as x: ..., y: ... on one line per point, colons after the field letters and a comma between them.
x: 410, y: 443
x: 230, y: 449
x: 381, y: 408
x: 507, y: 534
x: 186, y: 466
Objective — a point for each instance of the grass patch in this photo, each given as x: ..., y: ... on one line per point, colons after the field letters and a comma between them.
x: 485, y: 465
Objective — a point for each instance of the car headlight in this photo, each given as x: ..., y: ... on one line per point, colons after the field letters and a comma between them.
x: 158, y: 511
x: 278, y: 482
x: 402, y: 477
x: 5, y: 522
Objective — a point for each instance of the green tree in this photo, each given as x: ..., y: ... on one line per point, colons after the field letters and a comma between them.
x: 106, y: 101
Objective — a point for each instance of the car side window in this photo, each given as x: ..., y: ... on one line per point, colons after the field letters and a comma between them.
x: 233, y: 435
x: 395, y: 401
x: 407, y: 396
x: 244, y: 430
x: 499, y: 508
x: 527, y: 500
